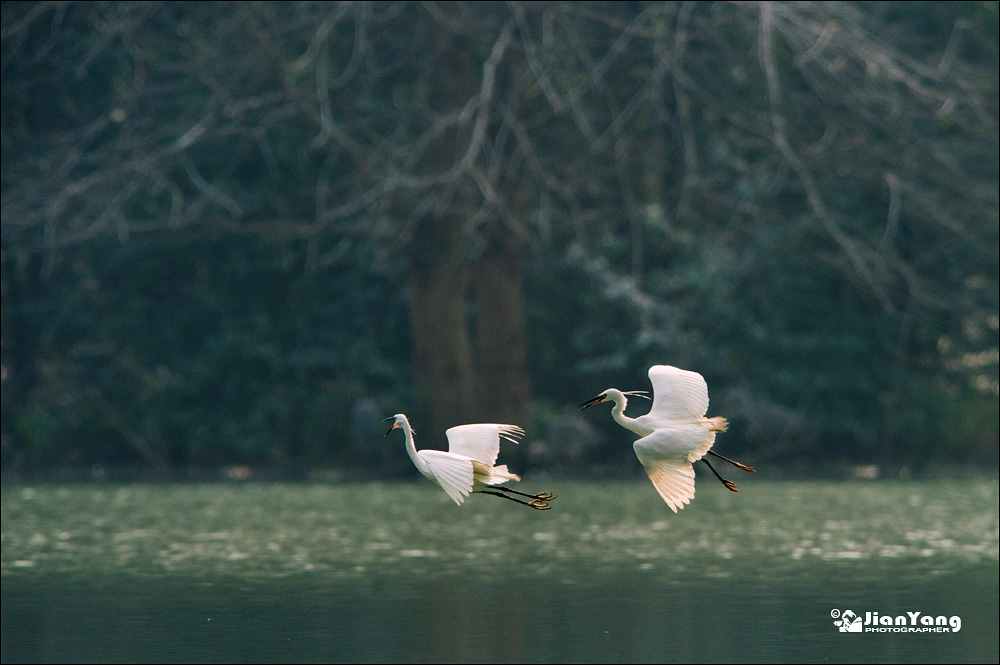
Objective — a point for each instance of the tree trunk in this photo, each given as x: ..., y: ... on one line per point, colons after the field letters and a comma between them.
x: 501, y: 348
x: 454, y: 387
x: 442, y: 365
x: 502, y: 382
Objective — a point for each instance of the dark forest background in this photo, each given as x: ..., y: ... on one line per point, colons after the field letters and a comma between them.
x: 238, y: 235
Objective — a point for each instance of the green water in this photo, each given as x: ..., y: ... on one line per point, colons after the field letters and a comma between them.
x: 397, y: 573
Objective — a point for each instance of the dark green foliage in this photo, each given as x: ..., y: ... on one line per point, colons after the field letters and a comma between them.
x: 209, y: 213
x: 208, y: 352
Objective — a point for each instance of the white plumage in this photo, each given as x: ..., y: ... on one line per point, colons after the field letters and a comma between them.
x: 675, y: 433
x: 469, y: 465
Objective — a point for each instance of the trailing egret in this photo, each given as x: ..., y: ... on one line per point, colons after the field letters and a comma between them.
x: 468, y: 466
x: 675, y: 433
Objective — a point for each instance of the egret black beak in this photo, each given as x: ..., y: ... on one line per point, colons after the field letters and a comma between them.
x: 394, y: 425
x: 592, y: 402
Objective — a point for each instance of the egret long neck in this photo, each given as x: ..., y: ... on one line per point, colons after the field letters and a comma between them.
x: 411, y: 449
x: 618, y: 413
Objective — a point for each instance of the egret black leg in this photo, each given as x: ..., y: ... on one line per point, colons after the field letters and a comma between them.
x: 728, y: 483
x: 542, y: 496
x: 534, y: 503
x: 734, y: 463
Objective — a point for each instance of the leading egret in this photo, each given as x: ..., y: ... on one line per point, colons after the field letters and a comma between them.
x: 675, y: 433
x: 468, y: 465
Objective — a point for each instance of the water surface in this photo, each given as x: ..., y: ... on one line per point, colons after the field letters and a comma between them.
x: 397, y: 573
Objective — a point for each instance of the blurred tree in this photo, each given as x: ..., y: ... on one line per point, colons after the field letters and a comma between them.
x: 312, y: 127
x: 799, y: 200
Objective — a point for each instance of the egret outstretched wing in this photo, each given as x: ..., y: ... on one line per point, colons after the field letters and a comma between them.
x: 674, y: 481
x: 678, y: 394
x: 454, y: 474
x: 468, y: 466
x: 481, y: 441
x: 492, y: 475
x: 675, y: 433
x: 702, y: 449
x: 665, y: 456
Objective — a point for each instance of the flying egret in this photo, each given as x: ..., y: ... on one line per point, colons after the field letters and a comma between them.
x: 468, y: 466
x: 675, y: 433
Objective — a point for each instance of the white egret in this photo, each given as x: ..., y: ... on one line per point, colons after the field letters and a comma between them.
x: 468, y: 465
x: 675, y: 433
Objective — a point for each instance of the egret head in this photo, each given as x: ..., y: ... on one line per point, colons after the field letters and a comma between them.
x: 616, y: 396
x: 607, y: 394
x: 397, y: 420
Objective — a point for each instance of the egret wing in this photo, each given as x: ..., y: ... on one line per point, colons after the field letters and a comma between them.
x: 454, y: 473
x: 702, y: 449
x: 678, y: 394
x: 664, y: 455
x: 481, y: 441
x: 492, y: 475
